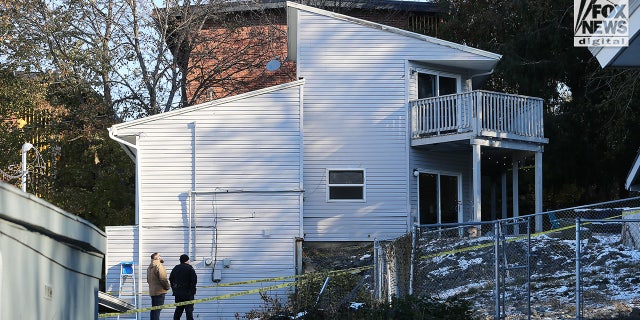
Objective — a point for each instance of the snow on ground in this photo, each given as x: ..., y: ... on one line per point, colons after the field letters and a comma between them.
x: 465, y: 269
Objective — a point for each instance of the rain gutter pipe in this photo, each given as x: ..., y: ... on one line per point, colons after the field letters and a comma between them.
x: 138, y: 199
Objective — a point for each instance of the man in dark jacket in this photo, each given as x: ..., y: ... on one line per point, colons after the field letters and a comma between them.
x: 183, y: 284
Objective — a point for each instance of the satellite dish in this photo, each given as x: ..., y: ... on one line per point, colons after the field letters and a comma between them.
x: 273, y: 65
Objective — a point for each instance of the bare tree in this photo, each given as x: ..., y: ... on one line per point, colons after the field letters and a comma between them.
x: 143, y: 59
x: 225, y: 49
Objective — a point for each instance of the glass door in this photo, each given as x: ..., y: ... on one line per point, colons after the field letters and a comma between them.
x: 439, y: 198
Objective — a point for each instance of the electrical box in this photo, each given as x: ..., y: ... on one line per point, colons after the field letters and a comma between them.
x: 217, y: 275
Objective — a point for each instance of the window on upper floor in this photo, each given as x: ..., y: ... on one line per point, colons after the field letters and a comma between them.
x: 431, y: 84
x: 345, y: 185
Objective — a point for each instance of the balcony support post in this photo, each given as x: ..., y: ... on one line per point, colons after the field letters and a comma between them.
x: 538, y: 190
x: 477, y: 182
x: 503, y: 184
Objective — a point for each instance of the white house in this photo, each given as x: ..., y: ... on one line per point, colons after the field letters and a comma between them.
x: 382, y: 130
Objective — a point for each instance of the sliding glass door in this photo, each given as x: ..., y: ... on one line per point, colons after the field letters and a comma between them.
x: 439, y: 198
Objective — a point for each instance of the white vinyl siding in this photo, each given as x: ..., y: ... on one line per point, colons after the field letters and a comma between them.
x: 121, y: 247
x: 355, y: 117
x: 223, y: 180
x: 356, y: 93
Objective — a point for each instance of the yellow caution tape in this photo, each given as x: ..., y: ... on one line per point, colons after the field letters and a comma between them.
x: 306, y: 275
x: 184, y: 303
x: 486, y: 245
x: 240, y: 293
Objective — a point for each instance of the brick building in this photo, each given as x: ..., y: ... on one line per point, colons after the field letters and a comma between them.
x: 242, y: 46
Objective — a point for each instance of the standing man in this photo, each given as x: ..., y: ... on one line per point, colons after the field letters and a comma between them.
x: 183, y: 283
x: 158, y: 283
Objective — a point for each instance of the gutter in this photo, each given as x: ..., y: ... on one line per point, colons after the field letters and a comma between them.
x: 488, y: 73
x: 128, y: 147
x: 483, y: 74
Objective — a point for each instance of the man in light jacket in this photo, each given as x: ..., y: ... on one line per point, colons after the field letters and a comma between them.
x: 158, y: 283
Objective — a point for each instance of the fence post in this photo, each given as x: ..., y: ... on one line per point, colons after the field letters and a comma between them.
x: 528, y: 267
x: 414, y: 238
x: 376, y: 271
x: 496, y: 266
x: 578, y: 284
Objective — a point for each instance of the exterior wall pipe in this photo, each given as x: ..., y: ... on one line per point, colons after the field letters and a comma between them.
x: 192, y: 212
x: 221, y: 190
x: 301, y: 166
x: 138, y: 220
x: 113, y: 136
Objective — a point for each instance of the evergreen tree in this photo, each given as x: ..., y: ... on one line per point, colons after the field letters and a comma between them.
x: 590, y: 113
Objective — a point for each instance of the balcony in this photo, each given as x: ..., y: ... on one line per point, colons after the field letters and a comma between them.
x: 477, y: 114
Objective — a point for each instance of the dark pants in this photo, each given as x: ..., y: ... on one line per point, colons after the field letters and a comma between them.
x: 156, y: 301
x: 188, y: 308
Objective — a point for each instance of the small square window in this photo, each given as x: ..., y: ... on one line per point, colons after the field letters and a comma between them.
x: 345, y: 184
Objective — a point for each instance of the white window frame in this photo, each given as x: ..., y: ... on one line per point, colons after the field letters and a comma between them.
x: 363, y: 185
x: 438, y: 74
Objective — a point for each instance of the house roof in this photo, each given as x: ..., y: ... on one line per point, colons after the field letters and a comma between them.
x: 128, y: 140
x: 633, y: 179
x: 485, y: 64
x: 412, y: 6
x: 623, y: 56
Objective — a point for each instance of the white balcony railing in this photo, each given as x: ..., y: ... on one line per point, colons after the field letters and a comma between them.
x: 483, y: 112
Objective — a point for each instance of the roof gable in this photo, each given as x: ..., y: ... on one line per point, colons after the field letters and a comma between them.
x: 486, y: 60
x: 114, y: 129
x: 127, y: 136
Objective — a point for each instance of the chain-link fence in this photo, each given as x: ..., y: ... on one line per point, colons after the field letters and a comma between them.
x: 607, y: 264
x: 523, y: 267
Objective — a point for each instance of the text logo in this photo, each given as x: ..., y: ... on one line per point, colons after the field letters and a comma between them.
x: 601, y: 23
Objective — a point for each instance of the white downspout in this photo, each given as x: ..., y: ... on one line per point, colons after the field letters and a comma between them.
x: 138, y: 222
x: 137, y: 161
x: 191, y: 215
x: 137, y: 210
